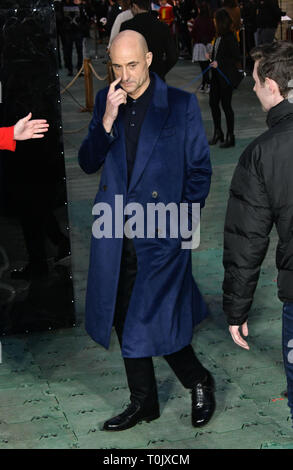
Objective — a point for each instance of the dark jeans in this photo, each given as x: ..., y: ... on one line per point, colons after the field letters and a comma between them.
x: 69, y: 41
x: 287, y: 338
x: 140, y: 371
x: 184, y: 38
x: 220, y: 93
x: 61, y: 41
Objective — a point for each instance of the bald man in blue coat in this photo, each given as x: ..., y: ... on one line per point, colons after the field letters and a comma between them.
x: 151, y: 141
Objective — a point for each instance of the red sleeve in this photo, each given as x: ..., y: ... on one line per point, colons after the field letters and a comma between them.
x: 6, y: 138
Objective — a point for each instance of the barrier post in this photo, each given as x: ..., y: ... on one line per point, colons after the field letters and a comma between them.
x: 244, y: 48
x: 96, y: 39
x: 88, y: 81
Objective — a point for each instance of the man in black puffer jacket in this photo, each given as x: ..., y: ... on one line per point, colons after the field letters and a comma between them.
x: 261, y: 195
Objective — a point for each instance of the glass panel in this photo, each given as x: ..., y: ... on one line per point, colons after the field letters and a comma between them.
x: 35, y: 271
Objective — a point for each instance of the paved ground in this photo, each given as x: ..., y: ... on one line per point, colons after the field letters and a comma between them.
x: 58, y: 387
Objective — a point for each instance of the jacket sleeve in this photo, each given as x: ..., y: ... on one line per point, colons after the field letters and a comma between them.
x: 95, y: 146
x: 234, y: 50
x: 249, y: 220
x: 197, y: 157
x: 6, y: 138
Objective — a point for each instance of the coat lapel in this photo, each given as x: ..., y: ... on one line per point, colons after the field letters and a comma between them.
x: 155, y: 119
x: 120, y: 153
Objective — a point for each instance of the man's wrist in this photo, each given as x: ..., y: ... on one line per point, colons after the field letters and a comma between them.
x: 108, y: 124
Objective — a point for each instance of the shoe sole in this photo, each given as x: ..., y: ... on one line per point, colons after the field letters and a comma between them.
x: 148, y: 419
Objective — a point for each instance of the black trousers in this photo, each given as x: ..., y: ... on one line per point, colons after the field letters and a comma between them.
x: 221, y: 93
x: 69, y: 40
x: 140, y: 371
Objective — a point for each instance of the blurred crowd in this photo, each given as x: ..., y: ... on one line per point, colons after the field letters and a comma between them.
x: 190, y: 23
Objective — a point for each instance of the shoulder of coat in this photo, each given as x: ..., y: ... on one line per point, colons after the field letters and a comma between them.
x: 178, y: 94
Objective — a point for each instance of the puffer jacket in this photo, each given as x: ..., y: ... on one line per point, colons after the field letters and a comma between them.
x: 261, y: 195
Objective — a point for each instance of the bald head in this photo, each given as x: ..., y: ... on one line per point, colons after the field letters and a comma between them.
x: 131, y: 59
x: 129, y: 39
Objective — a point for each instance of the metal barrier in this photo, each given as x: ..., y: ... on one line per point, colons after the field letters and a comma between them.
x: 89, y: 71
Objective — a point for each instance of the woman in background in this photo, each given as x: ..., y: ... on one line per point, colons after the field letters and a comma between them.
x: 225, y: 57
x: 202, y: 34
x: 232, y: 7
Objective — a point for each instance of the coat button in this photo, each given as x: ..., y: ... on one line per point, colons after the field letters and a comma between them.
x: 154, y: 194
x: 104, y: 188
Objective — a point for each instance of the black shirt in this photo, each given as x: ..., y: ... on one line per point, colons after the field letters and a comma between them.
x: 134, y: 114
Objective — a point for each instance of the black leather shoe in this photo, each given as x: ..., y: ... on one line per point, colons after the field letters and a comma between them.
x: 133, y: 414
x: 229, y: 142
x: 218, y: 135
x: 203, y: 401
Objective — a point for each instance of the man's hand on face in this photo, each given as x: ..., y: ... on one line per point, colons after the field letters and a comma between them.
x: 114, y: 99
x: 26, y: 129
x: 236, y: 336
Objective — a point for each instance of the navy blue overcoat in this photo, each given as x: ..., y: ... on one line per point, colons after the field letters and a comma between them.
x: 172, y: 165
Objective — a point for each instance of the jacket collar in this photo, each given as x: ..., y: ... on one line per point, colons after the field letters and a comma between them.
x: 281, y: 111
x: 160, y: 96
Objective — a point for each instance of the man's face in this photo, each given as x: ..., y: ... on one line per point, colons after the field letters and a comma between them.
x: 131, y: 63
x: 262, y: 90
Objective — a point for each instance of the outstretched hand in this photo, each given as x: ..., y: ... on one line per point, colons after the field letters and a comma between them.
x: 26, y: 129
x: 236, y: 336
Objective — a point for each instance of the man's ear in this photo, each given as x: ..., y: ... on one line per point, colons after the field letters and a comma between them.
x: 149, y: 58
x: 272, y: 86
